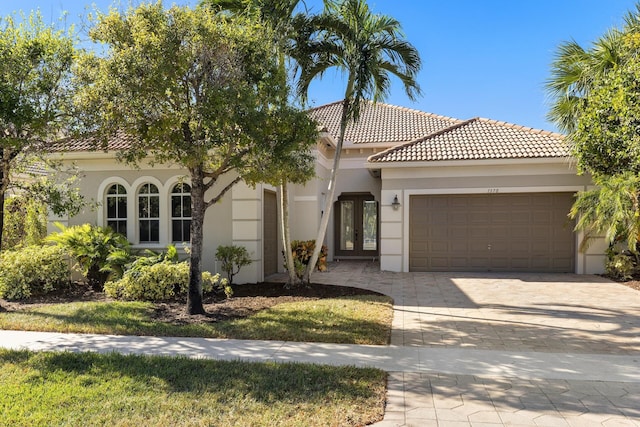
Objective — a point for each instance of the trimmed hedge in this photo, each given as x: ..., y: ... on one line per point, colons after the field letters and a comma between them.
x: 33, y: 270
x: 161, y: 281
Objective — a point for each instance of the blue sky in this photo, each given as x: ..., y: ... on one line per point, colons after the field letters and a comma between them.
x: 487, y: 58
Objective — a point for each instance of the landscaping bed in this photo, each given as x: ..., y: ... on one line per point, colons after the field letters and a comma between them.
x: 266, y: 311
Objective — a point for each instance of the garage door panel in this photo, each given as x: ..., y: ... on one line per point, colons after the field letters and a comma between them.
x: 497, y: 232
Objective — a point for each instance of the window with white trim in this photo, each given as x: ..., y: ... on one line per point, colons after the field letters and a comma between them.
x: 148, y: 213
x: 116, y: 201
x: 181, y: 213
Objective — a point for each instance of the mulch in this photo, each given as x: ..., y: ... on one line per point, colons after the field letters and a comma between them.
x: 246, y: 300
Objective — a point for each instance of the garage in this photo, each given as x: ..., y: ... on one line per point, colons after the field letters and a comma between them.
x: 518, y: 232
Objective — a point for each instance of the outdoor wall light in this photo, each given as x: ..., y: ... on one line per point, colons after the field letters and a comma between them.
x: 395, y: 204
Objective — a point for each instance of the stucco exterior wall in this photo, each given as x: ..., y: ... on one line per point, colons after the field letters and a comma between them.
x: 99, y: 174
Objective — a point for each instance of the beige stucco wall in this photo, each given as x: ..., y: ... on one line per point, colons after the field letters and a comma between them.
x: 99, y: 174
x: 458, y: 178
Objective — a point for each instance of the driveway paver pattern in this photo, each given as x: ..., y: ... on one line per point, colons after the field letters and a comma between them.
x: 564, y: 315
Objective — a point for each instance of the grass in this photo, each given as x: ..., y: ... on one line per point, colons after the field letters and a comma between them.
x: 355, y: 320
x: 95, y: 389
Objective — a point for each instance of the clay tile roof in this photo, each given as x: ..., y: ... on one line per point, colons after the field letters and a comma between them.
x: 478, y: 139
x: 381, y: 123
x: 120, y: 141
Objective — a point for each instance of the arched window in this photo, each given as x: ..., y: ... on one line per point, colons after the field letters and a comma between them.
x: 117, y: 208
x: 181, y: 213
x: 149, y: 213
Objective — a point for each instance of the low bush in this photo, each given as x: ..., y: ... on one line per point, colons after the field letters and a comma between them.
x: 99, y: 251
x: 233, y: 258
x: 161, y: 281
x: 620, y: 266
x: 33, y: 270
x: 302, y: 251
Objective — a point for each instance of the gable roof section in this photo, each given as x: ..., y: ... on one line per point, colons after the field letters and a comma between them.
x: 478, y: 139
x: 381, y: 123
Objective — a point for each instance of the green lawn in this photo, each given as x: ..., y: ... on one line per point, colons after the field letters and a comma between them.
x: 356, y: 320
x: 115, y: 390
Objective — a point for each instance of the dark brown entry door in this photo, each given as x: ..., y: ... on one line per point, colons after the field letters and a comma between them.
x: 270, y: 233
x: 356, y: 226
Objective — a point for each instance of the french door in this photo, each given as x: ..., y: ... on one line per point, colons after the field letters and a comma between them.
x: 356, y: 226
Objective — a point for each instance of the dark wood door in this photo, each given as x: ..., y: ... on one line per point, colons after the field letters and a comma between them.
x: 356, y: 226
x: 270, y: 233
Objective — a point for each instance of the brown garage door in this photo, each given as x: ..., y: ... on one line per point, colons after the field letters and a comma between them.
x: 494, y: 232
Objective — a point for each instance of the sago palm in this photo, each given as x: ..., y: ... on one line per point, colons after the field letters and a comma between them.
x: 368, y: 49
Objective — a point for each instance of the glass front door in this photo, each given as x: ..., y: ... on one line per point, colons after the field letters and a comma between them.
x: 356, y: 226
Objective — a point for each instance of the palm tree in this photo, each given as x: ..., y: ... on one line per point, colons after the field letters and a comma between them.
x: 574, y: 70
x: 368, y: 49
x: 611, y: 210
x: 289, y: 26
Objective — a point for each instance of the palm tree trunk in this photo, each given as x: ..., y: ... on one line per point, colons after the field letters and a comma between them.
x: 286, y: 235
x: 194, y: 297
x: 328, y: 204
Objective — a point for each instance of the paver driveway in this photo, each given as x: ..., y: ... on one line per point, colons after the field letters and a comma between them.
x: 562, y: 314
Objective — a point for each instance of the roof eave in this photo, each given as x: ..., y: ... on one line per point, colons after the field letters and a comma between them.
x: 474, y: 162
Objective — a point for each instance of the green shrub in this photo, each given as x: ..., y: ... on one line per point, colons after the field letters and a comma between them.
x: 161, y: 281
x: 233, y: 258
x: 302, y: 251
x: 620, y: 266
x: 33, y: 270
x: 99, y: 251
x: 25, y: 222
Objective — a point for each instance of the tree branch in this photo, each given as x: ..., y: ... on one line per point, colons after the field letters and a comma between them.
x: 222, y: 193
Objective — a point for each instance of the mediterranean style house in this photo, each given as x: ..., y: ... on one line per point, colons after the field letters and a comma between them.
x: 418, y: 191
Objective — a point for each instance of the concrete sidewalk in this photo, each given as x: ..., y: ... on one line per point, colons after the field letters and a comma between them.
x: 456, y: 361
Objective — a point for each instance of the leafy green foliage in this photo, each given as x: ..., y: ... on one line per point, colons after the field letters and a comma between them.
x: 302, y: 251
x: 369, y: 49
x: 192, y: 87
x: 233, y: 258
x: 610, y: 210
x: 606, y: 140
x: 620, y: 266
x: 161, y: 281
x: 25, y: 222
x: 596, y: 95
x: 33, y: 270
x: 35, y: 91
x: 93, y: 248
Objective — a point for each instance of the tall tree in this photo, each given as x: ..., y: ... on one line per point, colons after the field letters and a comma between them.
x: 368, y: 49
x: 574, y: 70
x: 288, y: 26
x: 196, y: 89
x: 596, y: 100
x: 35, y: 71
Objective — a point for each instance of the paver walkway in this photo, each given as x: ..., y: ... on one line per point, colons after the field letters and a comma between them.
x: 467, y: 349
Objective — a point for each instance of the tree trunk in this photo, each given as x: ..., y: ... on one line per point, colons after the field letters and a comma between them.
x: 5, y: 170
x: 194, y: 297
x: 1, y: 215
x: 286, y: 235
x: 328, y: 204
